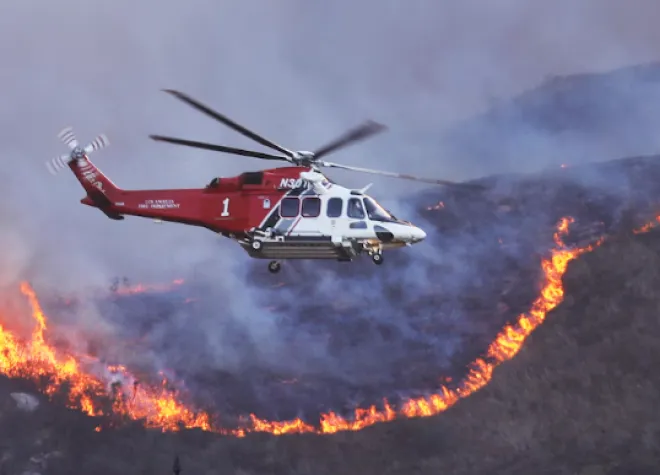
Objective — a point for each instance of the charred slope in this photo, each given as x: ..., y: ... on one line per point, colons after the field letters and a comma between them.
x: 581, y: 397
x: 432, y: 309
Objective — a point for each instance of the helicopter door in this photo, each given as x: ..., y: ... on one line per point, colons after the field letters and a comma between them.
x: 334, y: 208
x: 357, y: 220
x: 310, y: 221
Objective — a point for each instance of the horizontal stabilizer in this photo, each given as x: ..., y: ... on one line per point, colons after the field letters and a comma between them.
x: 99, y: 200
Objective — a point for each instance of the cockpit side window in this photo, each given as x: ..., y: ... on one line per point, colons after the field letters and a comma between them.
x: 334, y: 208
x: 355, y: 209
x: 376, y: 212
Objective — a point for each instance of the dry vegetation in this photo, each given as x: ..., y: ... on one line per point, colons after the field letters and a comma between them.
x: 580, y: 398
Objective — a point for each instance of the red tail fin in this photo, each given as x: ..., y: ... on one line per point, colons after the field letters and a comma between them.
x: 101, y: 191
x: 92, y: 179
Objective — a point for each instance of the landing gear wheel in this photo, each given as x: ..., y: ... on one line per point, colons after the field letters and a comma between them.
x: 377, y: 258
x: 256, y: 245
x: 274, y: 267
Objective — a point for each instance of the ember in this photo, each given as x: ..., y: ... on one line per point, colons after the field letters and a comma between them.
x: 128, y: 289
x: 440, y: 205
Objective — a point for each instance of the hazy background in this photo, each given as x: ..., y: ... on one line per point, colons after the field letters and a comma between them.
x: 300, y: 73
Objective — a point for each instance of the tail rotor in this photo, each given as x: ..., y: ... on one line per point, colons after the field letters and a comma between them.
x: 69, y: 138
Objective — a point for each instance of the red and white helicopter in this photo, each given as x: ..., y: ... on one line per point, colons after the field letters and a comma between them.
x: 293, y: 212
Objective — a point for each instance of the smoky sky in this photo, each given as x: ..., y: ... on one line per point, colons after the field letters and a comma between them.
x: 299, y: 72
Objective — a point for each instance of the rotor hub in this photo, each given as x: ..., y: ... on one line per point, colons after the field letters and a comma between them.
x: 77, y: 153
x: 304, y: 158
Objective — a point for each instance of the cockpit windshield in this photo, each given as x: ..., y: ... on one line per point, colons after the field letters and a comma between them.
x: 376, y: 212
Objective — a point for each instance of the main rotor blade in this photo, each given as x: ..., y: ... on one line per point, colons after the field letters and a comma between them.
x: 217, y: 148
x: 360, y: 132
x: 229, y: 123
x: 402, y: 175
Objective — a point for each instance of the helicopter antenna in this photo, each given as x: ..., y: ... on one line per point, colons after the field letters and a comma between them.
x: 298, y: 158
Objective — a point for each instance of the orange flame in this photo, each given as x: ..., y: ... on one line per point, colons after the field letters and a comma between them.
x: 648, y: 226
x: 159, y: 407
x: 35, y: 359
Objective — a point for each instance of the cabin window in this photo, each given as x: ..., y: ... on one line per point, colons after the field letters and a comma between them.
x: 290, y: 207
x: 355, y: 209
x: 311, y: 207
x: 335, y: 206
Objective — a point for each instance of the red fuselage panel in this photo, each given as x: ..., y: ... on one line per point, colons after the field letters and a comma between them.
x: 229, y: 205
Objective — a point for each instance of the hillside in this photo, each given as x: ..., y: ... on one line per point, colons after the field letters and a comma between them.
x: 579, y: 398
x: 572, y: 119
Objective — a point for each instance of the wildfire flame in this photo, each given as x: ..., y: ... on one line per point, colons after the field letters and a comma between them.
x: 161, y: 407
x: 35, y: 359
x: 648, y: 226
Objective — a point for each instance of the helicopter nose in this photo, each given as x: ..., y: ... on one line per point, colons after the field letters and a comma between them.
x: 417, y: 234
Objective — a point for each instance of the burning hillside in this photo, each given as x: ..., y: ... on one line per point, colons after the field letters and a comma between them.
x: 515, y: 423
x: 89, y: 383
x: 512, y: 247
x: 115, y: 394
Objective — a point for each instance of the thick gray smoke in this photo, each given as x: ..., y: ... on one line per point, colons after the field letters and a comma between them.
x: 300, y: 73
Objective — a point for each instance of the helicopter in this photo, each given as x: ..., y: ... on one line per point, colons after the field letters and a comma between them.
x: 289, y: 212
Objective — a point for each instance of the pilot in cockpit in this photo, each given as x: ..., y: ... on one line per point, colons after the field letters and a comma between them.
x: 355, y: 209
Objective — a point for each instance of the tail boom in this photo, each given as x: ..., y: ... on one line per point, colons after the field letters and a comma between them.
x: 181, y: 205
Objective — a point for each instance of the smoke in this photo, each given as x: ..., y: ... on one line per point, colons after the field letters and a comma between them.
x: 300, y: 73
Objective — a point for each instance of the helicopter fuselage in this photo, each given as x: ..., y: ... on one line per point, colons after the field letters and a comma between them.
x: 292, y: 212
x: 280, y: 213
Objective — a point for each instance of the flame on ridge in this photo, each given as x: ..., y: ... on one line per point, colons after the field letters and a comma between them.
x: 160, y: 407
x: 36, y: 360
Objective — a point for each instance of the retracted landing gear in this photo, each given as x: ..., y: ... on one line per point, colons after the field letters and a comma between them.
x: 274, y: 267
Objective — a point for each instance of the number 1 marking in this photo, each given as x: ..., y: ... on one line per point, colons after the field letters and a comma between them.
x: 225, y: 207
